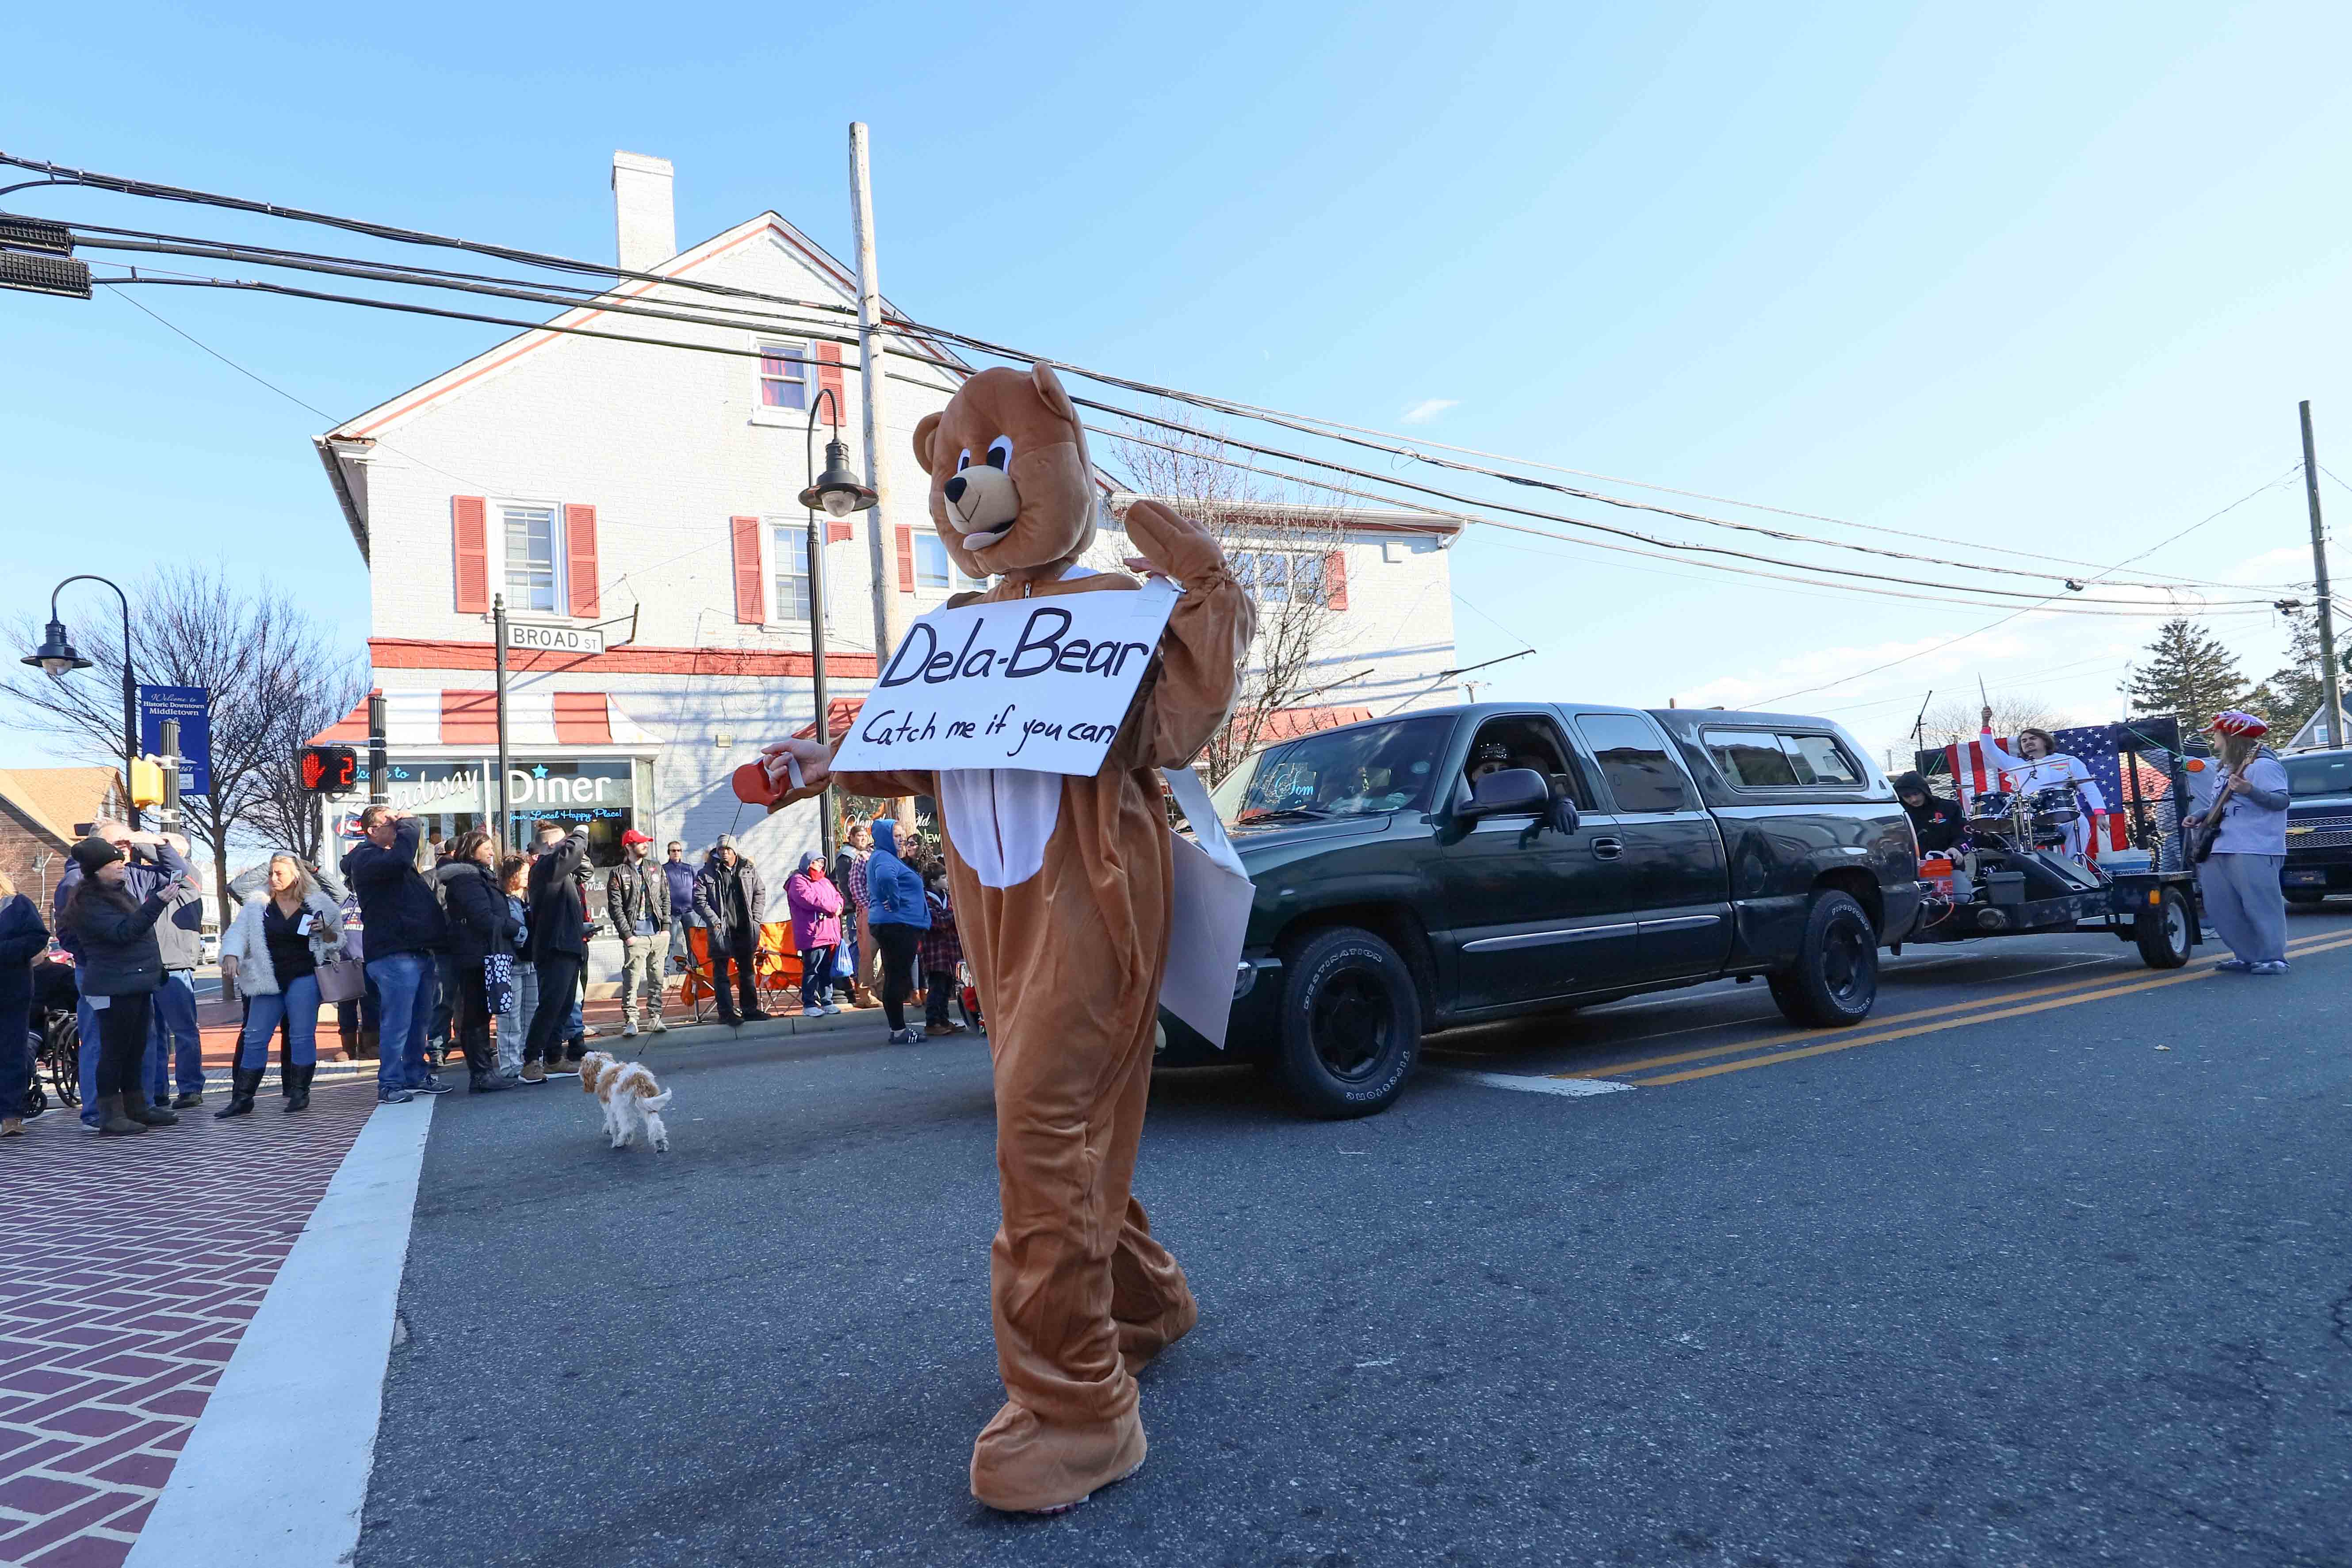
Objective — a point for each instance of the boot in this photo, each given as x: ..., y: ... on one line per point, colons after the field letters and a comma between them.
x: 297, y: 1094
x: 111, y: 1121
x: 136, y: 1105
x: 244, y: 1084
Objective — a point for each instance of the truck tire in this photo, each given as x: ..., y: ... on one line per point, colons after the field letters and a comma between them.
x: 2162, y: 930
x: 2306, y: 895
x: 1350, y: 1025
x: 1834, y: 981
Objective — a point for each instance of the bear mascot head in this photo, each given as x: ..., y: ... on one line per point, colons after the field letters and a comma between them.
x: 1011, y: 490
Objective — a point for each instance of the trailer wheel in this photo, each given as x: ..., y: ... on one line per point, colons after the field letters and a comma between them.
x: 2161, y: 928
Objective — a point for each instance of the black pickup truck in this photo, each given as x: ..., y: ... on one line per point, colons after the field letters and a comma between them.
x: 2318, y: 826
x: 1457, y: 864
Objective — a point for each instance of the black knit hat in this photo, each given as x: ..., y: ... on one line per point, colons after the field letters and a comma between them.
x: 92, y: 853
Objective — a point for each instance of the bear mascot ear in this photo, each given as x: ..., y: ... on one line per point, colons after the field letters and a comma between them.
x: 925, y: 430
x: 1049, y: 388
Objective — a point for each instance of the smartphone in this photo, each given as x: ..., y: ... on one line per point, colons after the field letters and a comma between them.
x: 303, y: 927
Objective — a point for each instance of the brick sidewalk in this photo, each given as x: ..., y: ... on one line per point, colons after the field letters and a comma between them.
x: 134, y: 1266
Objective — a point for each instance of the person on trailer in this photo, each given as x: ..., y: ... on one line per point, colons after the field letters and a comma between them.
x: 2239, y: 879
x: 1935, y: 821
x: 2038, y: 764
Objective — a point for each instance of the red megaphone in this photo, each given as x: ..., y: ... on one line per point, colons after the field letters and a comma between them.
x: 752, y: 786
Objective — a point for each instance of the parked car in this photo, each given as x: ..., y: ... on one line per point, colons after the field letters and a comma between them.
x: 208, y: 947
x: 1601, y: 853
x: 2318, y: 826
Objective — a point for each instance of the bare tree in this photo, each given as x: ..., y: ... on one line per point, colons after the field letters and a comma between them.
x: 1281, y: 540
x: 1960, y: 719
x: 273, y: 673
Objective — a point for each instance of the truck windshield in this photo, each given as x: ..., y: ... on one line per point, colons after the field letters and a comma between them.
x: 2326, y: 772
x: 1371, y: 768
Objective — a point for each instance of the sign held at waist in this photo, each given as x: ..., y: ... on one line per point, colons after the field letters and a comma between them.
x: 1039, y: 684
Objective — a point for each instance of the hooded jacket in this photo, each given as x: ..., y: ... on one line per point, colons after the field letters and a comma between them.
x: 116, y: 933
x: 894, y: 894
x: 23, y: 938
x: 480, y: 922
x: 147, y: 870
x: 1937, y: 822
x: 815, y: 904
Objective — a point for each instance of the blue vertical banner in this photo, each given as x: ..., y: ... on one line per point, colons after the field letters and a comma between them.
x: 191, y: 705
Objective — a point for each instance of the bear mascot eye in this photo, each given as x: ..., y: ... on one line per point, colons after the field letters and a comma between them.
x: 963, y: 459
x: 1000, y: 452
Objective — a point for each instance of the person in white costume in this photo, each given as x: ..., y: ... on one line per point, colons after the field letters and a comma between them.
x: 2039, y: 764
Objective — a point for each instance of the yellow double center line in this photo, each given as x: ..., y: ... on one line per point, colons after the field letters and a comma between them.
x: 1904, y: 1026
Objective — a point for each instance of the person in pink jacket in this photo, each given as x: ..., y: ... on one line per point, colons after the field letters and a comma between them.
x: 815, y: 906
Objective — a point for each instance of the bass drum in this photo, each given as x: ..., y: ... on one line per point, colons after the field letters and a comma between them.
x: 1991, y: 808
x: 2055, y: 808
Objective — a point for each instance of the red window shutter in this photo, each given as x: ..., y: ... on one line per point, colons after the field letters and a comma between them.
x: 469, y: 538
x: 906, y: 559
x: 1335, y: 579
x: 580, y: 560
x: 839, y: 529
x: 750, y: 593
x: 828, y: 376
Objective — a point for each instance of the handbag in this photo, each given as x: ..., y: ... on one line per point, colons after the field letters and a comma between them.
x: 341, y: 978
x: 497, y: 983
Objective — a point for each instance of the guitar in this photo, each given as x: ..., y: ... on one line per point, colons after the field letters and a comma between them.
x: 2209, y: 827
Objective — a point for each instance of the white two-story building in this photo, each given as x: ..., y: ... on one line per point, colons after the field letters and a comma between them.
x: 635, y: 507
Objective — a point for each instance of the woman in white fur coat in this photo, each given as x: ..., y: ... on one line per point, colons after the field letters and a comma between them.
x: 271, y: 953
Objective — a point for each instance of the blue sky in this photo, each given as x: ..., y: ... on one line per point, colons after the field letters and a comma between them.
x: 2052, y: 278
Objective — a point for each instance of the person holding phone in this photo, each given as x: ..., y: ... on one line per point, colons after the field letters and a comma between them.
x: 271, y: 954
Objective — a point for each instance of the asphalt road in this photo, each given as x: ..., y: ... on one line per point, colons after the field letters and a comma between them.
x: 2068, y: 1285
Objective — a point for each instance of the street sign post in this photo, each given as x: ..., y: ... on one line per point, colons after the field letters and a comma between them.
x: 527, y: 637
x: 191, y: 705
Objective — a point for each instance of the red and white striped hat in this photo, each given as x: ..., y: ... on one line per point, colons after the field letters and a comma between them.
x: 2233, y: 721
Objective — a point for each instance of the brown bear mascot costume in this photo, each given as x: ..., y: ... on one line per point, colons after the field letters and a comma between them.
x: 1062, y: 895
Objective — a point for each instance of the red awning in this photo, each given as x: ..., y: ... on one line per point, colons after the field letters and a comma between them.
x: 840, y: 712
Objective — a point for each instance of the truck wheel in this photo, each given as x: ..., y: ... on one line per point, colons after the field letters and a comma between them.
x: 1835, y: 980
x: 2162, y: 931
x: 1350, y: 1025
x: 2307, y: 896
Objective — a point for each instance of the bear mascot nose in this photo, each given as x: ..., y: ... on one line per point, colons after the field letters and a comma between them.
x: 955, y: 489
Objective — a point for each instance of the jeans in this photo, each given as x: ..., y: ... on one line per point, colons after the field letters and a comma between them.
x: 404, y: 982
x: 179, y: 1047
x: 297, y: 1005
x: 123, y: 1032
x: 16, y: 1058
x: 641, y: 969
x: 87, y: 1021
x: 2245, y: 904
x: 938, y: 985
x: 898, y: 944
x: 515, y: 1022
x: 559, y: 985
x: 817, y: 974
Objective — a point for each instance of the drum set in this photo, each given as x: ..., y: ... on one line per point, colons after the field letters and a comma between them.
x: 2023, y: 822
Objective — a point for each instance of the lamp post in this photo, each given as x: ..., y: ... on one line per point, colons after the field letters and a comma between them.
x: 839, y: 493
x: 57, y: 655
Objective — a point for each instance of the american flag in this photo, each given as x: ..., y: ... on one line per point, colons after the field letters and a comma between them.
x: 2094, y: 746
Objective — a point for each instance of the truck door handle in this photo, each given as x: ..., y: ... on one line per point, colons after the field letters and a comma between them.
x: 1608, y: 848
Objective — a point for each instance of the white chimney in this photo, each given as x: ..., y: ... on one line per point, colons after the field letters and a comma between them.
x: 642, y: 211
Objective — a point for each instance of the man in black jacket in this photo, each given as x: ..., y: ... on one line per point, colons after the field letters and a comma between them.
x: 403, y: 928
x: 559, y: 948
x: 729, y: 898
x: 1936, y: 820
x: 637, y: 901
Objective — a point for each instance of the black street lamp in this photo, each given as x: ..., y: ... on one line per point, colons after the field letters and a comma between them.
x: 837, y: 491
x: 57, y: 655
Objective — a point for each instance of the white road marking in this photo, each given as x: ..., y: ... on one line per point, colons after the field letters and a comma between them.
x: 301, y: 1394
x: 1577, y: 1087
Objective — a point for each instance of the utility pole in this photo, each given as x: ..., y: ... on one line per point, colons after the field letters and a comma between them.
x: 498, y: 631
x: 2334, y: 698
x: 890, y: 616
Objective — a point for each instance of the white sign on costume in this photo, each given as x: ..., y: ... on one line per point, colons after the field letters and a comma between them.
x: 1212, y: 906
x: 1038, y: 684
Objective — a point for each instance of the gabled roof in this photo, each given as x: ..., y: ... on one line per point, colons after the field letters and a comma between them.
x: 55, y: 799
x: 360, y: 431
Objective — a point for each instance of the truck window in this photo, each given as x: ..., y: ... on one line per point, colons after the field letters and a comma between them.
x: 1822, y: 761
x: 2330, y: 772
x: 1357, y: 772
x: 1751, y: 759
x: 1530, y: 741
x: 1632, y: 758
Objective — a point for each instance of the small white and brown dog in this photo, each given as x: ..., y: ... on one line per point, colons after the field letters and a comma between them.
x: 629, y: 1095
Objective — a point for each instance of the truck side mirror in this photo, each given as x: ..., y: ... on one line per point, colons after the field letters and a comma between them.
x: 1509, y: 791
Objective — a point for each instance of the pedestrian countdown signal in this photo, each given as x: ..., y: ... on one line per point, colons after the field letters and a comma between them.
x: 328, y: 770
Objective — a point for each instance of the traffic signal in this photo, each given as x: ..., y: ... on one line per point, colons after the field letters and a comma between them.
x: 328, y: 770
x: 37, y: 256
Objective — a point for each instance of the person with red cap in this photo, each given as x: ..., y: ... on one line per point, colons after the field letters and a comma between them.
x: 636, y: 897
x: 2240, y: 880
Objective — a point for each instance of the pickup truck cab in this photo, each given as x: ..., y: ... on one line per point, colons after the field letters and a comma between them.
x: 1457, y: 865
